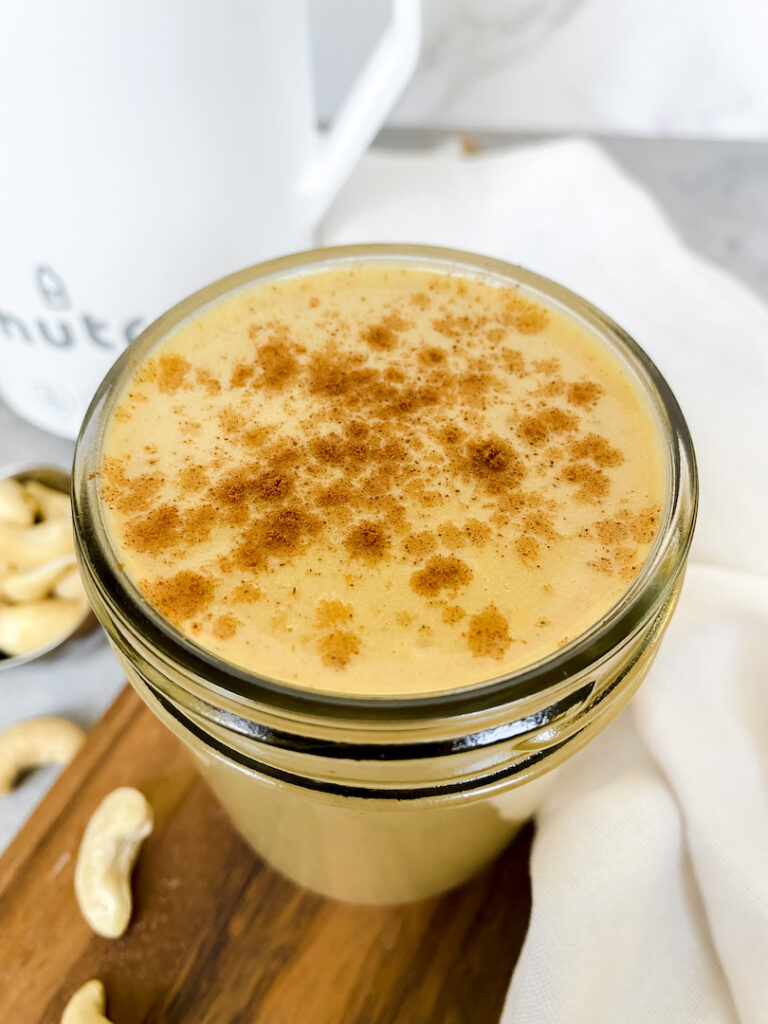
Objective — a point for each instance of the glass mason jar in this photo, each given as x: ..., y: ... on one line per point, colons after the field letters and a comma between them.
x: 369, y: 799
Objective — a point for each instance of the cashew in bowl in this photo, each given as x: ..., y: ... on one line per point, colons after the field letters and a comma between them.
x: 70, y: 586
x: 52, y: 504
x: 35, y: 742
x: 32, y: 626
x: 105, y: 861
x: 27, y: 546
x: 17, y: 505
x: 87, y: 1005
x: 33, y: 584
x: 38, y: 574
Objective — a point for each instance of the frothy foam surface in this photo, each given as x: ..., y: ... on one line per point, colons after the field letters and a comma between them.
x: 382, y: 481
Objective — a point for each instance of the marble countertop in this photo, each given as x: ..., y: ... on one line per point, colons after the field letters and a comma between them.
x: 715, y: 192
x: 680, y: 70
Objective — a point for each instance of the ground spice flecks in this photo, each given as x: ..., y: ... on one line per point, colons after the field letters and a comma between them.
x: 353, y: 466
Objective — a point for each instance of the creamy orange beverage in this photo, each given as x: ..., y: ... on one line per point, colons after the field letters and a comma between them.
x: 383, y: 534
x: 382, y: 480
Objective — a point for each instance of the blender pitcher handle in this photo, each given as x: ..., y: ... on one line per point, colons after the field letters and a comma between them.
x: 363, y: 111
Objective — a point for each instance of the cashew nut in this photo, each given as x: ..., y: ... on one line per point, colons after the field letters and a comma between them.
x: 105, y: 861
x: 70, y: 586
x: 87, y: 1005
x: 35, y: 583
x: 53, y: 504
x: 27, y: 627
x: 16, y: 504
x: 35, y: 742
x: 34, y: 559
x: 26, y: 546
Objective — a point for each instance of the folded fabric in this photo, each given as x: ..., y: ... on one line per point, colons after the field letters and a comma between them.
x: 649, y: 866
x: 650, y: 863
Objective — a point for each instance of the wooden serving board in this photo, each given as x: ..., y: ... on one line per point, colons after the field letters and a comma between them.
x: 217, y: 937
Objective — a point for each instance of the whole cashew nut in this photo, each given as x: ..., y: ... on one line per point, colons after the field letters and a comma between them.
x: 35, y: 742
x: 17, y: 505
x: 53, y: 504
x: 35, y: 583
x: 70, y: 587
x: 28, y: 627
x: 87, y: 1005
x: 27, y: 546
x: 105, y: 861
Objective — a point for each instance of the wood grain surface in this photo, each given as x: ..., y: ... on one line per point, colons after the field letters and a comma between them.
x: 217, y: 937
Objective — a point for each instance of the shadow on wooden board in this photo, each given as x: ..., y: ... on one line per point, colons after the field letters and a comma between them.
x: 219, y: 938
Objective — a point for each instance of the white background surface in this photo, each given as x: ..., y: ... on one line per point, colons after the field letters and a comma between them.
x: 680, y: 68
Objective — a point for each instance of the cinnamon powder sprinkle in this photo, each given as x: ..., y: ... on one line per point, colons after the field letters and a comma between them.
x: 538, y: 429
x: 418, y: 545
x: 194, y: 478
x: 596, y: 448
x: 514, y: 361
x: 431, y: 356
x: 284, y: 531
x: 441, y: 573
x: 540, y: 524
x: 180, y: 597
x: 372, y: 446
x: 380, y: 337
x: 477, y: 533
x: 584, y: 393
x: 273, y: 486
x: 246, y: 593
x: 171, y: 373
x: 368, y: 540
x: 527, y: 548
x: 241, y: 374
x: 338, y: 647
x: 333, y: 613
x: 611, y: 531
x: 592, y: 483
x: 206, y: 379
x: 127, y: 494
x: 488, y: 635
x: 494, y: 464
x: 526, y: 317
x: 277, y: 362
x: 153, y: 533
x: 644, y: 525
x: 225, y: 626
x: 452, y: 614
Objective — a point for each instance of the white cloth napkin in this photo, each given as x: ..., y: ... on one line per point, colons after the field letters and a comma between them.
x: 650, y: 863
x: 638, y: 67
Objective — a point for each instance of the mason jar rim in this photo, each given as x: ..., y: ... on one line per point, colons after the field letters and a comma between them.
x: 663, y: 564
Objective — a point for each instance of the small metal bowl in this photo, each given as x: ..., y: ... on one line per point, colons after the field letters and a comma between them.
x: 57, y: 478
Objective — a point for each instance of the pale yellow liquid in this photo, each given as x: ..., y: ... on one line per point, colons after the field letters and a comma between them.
x: 382, y: 481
